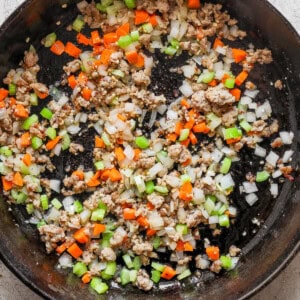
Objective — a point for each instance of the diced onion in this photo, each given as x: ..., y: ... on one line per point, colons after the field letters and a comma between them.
x: 73, y: 129
x: 287, y: 155
x: 251, y: 93
x: 272, y: 158
x: 251, y: 199
x: 54, y: 185
x: 274, y: 189
x: 260, y: 151
x: 65, y: 261
x: 286, y: 137
x: 186, y: 89
x: 157, y: 168
x: 188, y: 71
x: 155, y: 220
x: 213, y: 220
x: 226, y: 182
x: 249, y: 187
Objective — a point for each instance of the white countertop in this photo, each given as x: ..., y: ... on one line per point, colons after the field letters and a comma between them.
x: 285, y: 286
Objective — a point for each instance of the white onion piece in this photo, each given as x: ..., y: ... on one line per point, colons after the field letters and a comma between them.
x: 173, y: 181
x: 33, y: 220
x: 272, y: 158
x: 198, y: 196
x: 213, y: 220
x: 287, y: 155
x: 186, y: 89
x: 65, y: 261
x: 260, y: 151
x: 188, y: 70
x: 203, y: 263
x: 73, y: 129
x: 216, y: 155
x: 140, y: 183
x: 52, y: 215
x: 220, y: 74
x: 111, y: 129
x: 182, y: 30
x: 35, y: 170
x: 251, y: 199
x: 156, y: 45
x: 249, y: 187
x: 129, y: 152
x: 286, y: 137
x: 252, y: 105
x: 234, y: 262
x: 153, y: 171
x: 276, y: 174
x: 245, y: 100
x: 54, y: 185
x: 98, y: 128
x: 204, y: 213
x: 162, y: 109
x: 218, y: 66
x: 274, y: 189
x: 251, y: 93
x: 232, y: 211
x: 63, y: 100
x: 152, y: 118
x: 85, y: 216
x: 226, y: 182
x: 172, y: 115
x: 83, y: 118
x: 181, y: 215
x: 155, y: 220
x: 157, y: 147
x: 68, y: 204
x: 197, y: 60
x: 174, y: 31
x: 221, y: 50
x: 250, y: 117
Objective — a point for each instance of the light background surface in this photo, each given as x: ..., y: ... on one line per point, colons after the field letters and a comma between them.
x: 285, y: 286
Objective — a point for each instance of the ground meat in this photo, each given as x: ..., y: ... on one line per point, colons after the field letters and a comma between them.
x: 278, y: 84
x: 108, y: 254
x: 262, y: 56
x: 200, y: 103
x: 87, y: 257
x: 75, y: 148
x: 230, y: 117
x: 152, y: 6
x: 194, y: 218
x: 216, y: 266
x: 250, y: 85
x: 234, y: 251
x: 118, y: 237
x: 72, y: 66
x: 201, y: 263
x: 51, y: 235
x: 179, y: 153
x: 146, y: 99
x: 143, y: 281
x: 277, y: 143
x: 184, y: 261
x: 91, y: 15
x: 140, y: 78
x: 30, y: 59
x: 39, y: 88
x: 145, y: 162
x: 77, y: 186
x: 156, y: 200
x: 141, y: 247
x: 269, y: 130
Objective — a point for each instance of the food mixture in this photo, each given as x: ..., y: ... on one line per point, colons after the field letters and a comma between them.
x: 160, y: 167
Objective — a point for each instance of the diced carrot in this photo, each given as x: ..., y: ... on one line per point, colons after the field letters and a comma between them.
x: 105, y: 56
x: 120, y: 141
x: 184, y: 103
x: 187, y: 162
x: 119, y: 153
x: 123, y: 30
x: 75, y: 251
x: 27, y: 159
x: 21, y: 112
x: 178, y: 127
x: 218, y: 43
x: 129, y: 214
x: 140, y: 61
x: 98, y: 229
x: 236, y: 93
x: 62, y: 248
x: 233, y: 141
x: 193, y: 138
x: 225, y: 76
x: 99, y: 142
x: 41, y: 95
x: 137, y: 153
x: 25, y: 140
x: 141, y: 16
x: 194, y: 4
x: 150, y: 206
x: 3, y: 94
x: 110, y: 38
x: 193, y: 114
x: 72, y: 50
x: 105, y: 175
x: 180, y: 246
x: 186, y: 142
x: 188, y: 247
x: 151, y: 232
x: 82, y: 78
x: 172, y: 137
x: 153, y: 20
x: 82, y: 39
x: 132, y: 57
x: 201, y: 128
x: 115, y: 175
x: 72, y: 81
x: 200, y: 34
x: 86, y: 93
x: 7, y: 185
x: 143, y: 221
x: 58, y: 48
x: 80, y: 236
x: 12, y: 102
x: 239, y: 80
x: 79, y: 174
x: 2, y: 104
x: 168, y: 273
x: 95, y: 37
x: 86, y: 278
x: 51, y: 144
x: 238, y: 55
x: 93, y: 182
x: 190, y: 123
x: 213, y: 83
x: 18, y: 179
x: 213, y: 252
x: 185, y: 191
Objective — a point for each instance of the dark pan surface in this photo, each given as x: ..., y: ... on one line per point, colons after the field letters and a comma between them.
x: 265, y: 249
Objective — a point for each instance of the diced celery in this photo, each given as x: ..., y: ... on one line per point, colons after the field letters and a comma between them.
x: 105, y: 139
x: 4, y: 170
x: 174, y: 43
x: 12, y: 89
x: 98, y: 214
x: 99, y: 286
x: 36, y: 142
x: 102, y: 205
x: 226, y: 262
x: 125, y: 276
x: 224, y: 221
x: 111, y: 268
x: 51, y: 133
x: 206, y: 77
x: 40, y: 224
x: 34, y: 100
x: 46, y: 113
x: 133, y: 275
x: 155, y: 276
x: 161, y: 189
x: 130, y: 3
x: 128, y: 261
x: 229, y: 83
x: 20, y: 197
x: 107, y: 2
x: 124, y: 41
x: 99, y: 165
x: 135, y: 36
x: 140, y: 184
x: 101, y: 7
x: 246, y: 126
x: 66, y: 141
x: 6, y: 151
x: 170, y: 51
x: 181, y: 229
x: 24, y: 169
x: 50, y: 39
x: 213, y: 121
x: 211, y: 197
x: 56, y: 203
x: 184, y: 134
x: 78, y: 207
x: 157, y: 266
x: 29, y: 208
x: 209, y: 205
x: 30, y: 121
x: 225, y: 165
x: 232, y: 133
x: 156, y: 242
x: 44, y: 202
x: 118, y: 73
x: 142, y: 142
x: 185, y: 178
x: 137, y: 263
x: 78, y: 24
x: 149, y: 187
x: 184, y: 274
x: 147, y: 28
x: 222, y: 209
x: 79, y: 269
x: 262, y: 176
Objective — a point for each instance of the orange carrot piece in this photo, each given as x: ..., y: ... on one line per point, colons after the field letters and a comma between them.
x: 110, y: 38
x: 2, y: 104
x: 201, y: 128
x: 168, y: 273
x: 105, y: 56
x: 82, y: 39
x: 51, y: 144
x: 93, y: 182
x: 184, y: 103
x: 218, y: 43
x: 86, y: 278
x: 62, y: 248
x: 58, y: 48
x: 172, y: 137
x: 75, y: 251
x: 12, y: 102
x: 140, y: 61
x: 72, y: 50
x: 95, y: 37
x: 82, y: 78
x: 188, y: 247
x: 236, y: 93
x: 132, y: 57
x: 178, y: 128
x: 180, y: 246
x: 141, y: 16
x: 189, y: 124
x: 121, y: 117
x: 233, y: 141
x: 18, y: 179
x: 115, y: 175
x: 151, y: 232
x: 213, y: 83
x: 27, y: 159
x: 143, y: 221
x: 3, y: 94
x: 123, y: 30
x: 194, y: 4
x: 153, y: 20
x: 186, y: 142
x: 150, y: 206
x: 25, y: 140
x: 21, y: 112
x: 238, y: 55
x: 187, y: 162
x: 239, y: 80
x: 185, y: 191
x: 213, y: 252
x: 193, y: 138
x: 79, y: 174
x: 72, y: 82
x: 80, y: 236
x: 86, y: 93
x: 7, y: 185
x: 119, y: 153
x: 137, y: 153
x: 105, y: 174
x: 129, y: 214
x: 99, y: 142
x: 98, y: 229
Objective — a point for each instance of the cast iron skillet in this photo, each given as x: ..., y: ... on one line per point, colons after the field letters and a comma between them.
x: 266, y: 249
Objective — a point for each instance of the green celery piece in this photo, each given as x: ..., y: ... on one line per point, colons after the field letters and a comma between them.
x: 149, y: 187
x: 36, y: 142
x: 118, y: 73
x: 40, y: 224
x: 232, y: 133
x: 135, y: 36
x: 170, y: 50
x: 206, y: 77
x: 161, y: 189
x: 46, y: 113
x: 79, y: 269
x: 226, y: 262
x: 137, y: 263
x: 124, y: 41
x: 99, y: 165
x: 224, y: 221
x: 125, y: 276
x: 34, y: 100
x: 78, y: 206
x: 209, y: 205
x: 184, y: 274
x: 51, y: 133
x: 157, y: 266
x: 6, y: 151
x: 29, y: 208
x: 12, y: 89
x: 56, y: 203
x: 66, y: 141
x: 229, y: 83
x: 130, y: 3
x: 99, y: 286
x: 78, y: 23
x: 128, y: 261
x: 156, y: 242
x: 31, y: 120
x: 105, y: 139
x: 50, y: 39
x: 147, y: 28
x: 133, y: 275
x: 225, y: 165
x: 44, y: 202
x: 245, y: 125
x: 142, y: 142
x: 181, y: 229
x: 98, y: 215
x: 262, y: 176
x: 155, y: 276
x: 184, y: 134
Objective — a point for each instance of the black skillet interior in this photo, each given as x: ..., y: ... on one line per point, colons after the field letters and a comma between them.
x: 267, y: 247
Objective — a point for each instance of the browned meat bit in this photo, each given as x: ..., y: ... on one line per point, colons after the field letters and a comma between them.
x: 200, y: 103
x: 278, y: 84
x: 219, y: 96
x: 143, y: 281
x: 72, y: 66
x: 152, y: 6
x: 216, y: 266
x: 39, y: 88
x: 258, y: 126
x: 277, y: 143
x: 250, y: 177
x: 77, y: 186
x: 230, y: 117
x: 118, y: 237
x: 141, y: 247
x: 140, y: 78
x: 145, y: 162
x: 262, y: 56
x: 234, y: 251
x: 156, y: 200
x: 51, y: 235
x: 30, y: 59
x: 75, y: 148
x: 269, y: 130
x: 250, y: 85
x: 146, y: 99
x: 184, y: 261
x: 286, y: 170
x: 194, y: 218
x: 201, y: 263
x: 108, y: 254
x: 87, y: 257
x: 179, y: 153
x: 91, y: 14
